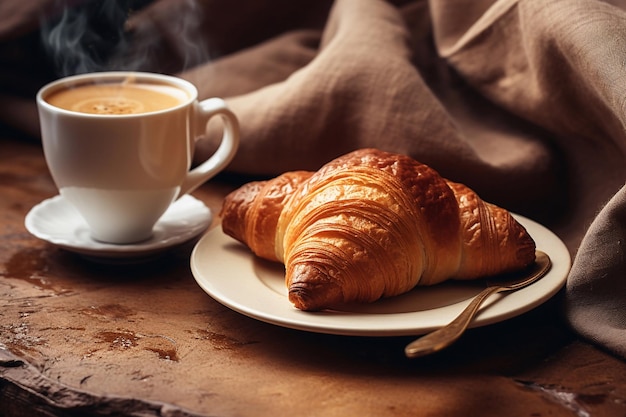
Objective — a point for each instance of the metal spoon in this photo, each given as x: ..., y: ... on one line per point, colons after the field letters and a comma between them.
x: 445, y: 336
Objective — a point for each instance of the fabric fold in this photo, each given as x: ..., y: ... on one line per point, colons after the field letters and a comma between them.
x: 596, y: 286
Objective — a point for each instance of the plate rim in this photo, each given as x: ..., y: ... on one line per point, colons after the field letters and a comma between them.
x: 371, y: 324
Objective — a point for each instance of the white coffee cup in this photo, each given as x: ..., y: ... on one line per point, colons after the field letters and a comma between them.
x: 122, y: 171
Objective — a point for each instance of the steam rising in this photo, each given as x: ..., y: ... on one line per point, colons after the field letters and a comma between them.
x: 103, y: 35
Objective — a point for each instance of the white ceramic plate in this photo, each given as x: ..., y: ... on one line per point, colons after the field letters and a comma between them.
x: 229, y: 273
x: 56, y: 221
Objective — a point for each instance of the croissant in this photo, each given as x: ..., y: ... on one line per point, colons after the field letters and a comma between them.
x: 372, y: 224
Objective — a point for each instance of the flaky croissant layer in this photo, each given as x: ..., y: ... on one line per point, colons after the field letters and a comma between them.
x: 372, y: 224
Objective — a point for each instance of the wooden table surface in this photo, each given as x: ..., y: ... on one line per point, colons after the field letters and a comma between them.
x: 80, y: 338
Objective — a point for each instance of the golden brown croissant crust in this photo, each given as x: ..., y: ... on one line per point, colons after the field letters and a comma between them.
x: 372, y: 224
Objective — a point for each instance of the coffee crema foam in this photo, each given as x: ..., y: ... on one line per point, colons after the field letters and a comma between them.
x: 109, y: 105
x: 118, y: 99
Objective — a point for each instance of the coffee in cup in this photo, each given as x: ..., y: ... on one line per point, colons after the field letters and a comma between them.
x: 119, y: 146
x: 127, y: 97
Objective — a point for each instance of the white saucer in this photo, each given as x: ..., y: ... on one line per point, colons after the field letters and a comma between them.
x: 58, y: 222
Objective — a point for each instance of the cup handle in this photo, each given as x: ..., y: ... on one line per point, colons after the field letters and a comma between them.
x: 206, y: 109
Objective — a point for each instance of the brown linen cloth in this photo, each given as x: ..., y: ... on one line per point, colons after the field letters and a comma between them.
x: 521, y: 100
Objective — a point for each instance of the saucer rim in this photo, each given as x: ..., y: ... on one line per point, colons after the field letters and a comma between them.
x: 98, y: 249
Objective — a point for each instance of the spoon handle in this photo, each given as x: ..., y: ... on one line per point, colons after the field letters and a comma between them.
x: 445, y: 336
